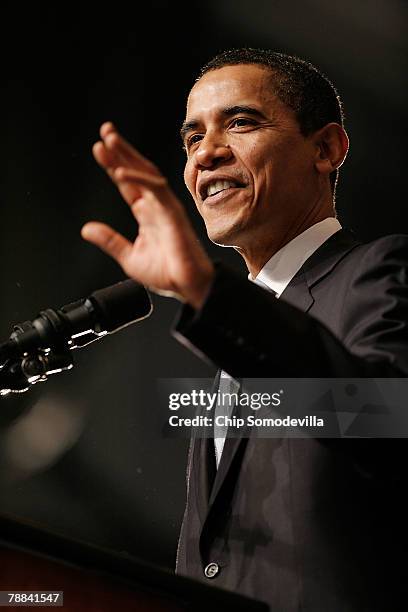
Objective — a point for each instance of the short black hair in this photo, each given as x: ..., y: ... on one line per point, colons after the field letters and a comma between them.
x: 298, y: 84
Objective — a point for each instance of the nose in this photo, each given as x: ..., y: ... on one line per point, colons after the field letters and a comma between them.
x: 212, y: 150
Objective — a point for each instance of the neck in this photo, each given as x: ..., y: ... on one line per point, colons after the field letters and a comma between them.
x: 259, y: 251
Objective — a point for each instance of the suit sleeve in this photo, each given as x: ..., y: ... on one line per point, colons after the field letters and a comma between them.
x: 244, y: 330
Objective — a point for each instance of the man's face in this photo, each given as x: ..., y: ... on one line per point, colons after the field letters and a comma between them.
x: 249, y: 169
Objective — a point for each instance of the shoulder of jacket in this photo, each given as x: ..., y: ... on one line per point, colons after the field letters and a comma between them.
x: 393, y: 246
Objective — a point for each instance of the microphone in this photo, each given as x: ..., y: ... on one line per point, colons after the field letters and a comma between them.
x: 75, y: 325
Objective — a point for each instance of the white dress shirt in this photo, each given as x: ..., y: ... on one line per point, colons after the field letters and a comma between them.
x: 279, y: 271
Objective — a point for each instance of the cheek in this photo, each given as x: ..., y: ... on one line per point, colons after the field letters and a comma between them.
x: 190, y: 178
x: 264, y: 170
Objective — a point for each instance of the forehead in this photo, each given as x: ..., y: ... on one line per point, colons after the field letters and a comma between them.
x: 244, y: 84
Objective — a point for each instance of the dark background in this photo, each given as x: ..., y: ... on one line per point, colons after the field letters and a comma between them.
x: 85, y: 454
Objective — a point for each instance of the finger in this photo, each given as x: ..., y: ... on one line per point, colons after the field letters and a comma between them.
x: 107, y: 239
x: 111, y: 146
x: 134, y: 184
x: 105, y: 128
x: 146, y: 179
x: 117, y: 143
x: 104, y: 157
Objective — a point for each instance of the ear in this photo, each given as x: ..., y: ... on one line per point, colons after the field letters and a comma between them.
x: 332, y: 144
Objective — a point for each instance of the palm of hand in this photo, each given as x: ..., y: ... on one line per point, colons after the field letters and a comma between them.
x: 166, y: 255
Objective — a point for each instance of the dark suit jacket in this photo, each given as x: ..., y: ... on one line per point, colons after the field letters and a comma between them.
x: 305, y: 524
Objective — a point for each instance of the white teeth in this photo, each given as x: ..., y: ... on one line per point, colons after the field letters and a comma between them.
x: 217, y: 186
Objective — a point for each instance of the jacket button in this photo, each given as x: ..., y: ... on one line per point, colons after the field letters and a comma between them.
x: 211, y: 570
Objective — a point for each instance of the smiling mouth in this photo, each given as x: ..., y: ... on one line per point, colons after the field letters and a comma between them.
x: 220, y: 195
x: 219, y: 189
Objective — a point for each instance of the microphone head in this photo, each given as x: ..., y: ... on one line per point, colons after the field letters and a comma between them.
x: 120, y: 305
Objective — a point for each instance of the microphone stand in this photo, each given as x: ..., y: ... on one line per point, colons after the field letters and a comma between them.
x: 19, y: 372
x: 18, y: 375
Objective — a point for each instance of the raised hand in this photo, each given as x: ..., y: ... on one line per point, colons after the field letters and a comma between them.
x: 166, y: 256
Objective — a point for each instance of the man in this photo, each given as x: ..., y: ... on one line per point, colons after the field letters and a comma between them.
x: 303, y: 524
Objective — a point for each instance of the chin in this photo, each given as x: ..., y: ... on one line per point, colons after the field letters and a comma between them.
x: 224, y: 238
x: 228, y: 228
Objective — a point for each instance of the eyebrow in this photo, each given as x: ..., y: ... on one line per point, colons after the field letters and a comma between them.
x: 228, y: 111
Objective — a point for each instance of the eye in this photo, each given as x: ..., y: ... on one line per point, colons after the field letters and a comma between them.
x: 241, y: 122
x: 193, y: 139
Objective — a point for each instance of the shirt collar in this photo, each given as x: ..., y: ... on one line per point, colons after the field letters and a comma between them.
x: 285, y: 263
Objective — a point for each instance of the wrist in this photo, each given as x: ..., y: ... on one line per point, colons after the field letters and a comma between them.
x: 200, y: 290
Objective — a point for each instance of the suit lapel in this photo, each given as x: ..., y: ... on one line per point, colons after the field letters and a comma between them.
x: 204, y: 466
x: 326, y: 258
x: 298, y: 294
x: 231, y: 447
x: 299, y: 291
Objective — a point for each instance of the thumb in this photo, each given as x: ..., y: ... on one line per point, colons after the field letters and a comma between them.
x: 108, y: 240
